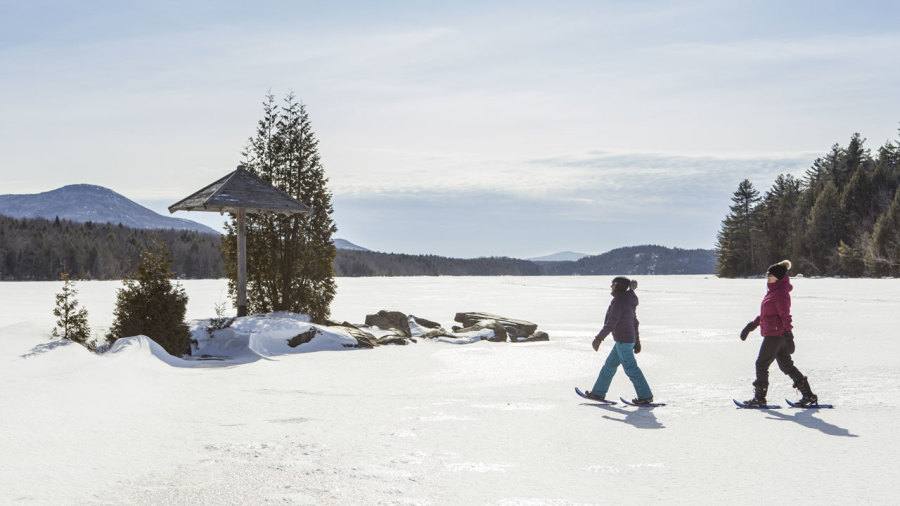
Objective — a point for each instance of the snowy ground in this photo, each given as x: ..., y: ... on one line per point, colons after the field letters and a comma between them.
x: 483, y: 423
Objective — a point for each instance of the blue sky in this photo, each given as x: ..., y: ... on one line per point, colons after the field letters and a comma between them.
x: 456, y: 128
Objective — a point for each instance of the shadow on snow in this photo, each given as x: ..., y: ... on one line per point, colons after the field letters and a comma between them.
x: 806, y: 418
x: 639, y: 418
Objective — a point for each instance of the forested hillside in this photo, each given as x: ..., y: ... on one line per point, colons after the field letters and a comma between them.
x: 841, y: 218
x: 36, y: 249
x: 649, y: 259
x: 628, y: 261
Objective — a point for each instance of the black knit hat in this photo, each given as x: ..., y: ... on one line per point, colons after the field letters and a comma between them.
x: 621, y: 284
x: 780, y: 269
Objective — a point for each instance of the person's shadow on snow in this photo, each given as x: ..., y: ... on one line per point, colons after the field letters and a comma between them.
x: 639, y: 418
x: 806, y: 418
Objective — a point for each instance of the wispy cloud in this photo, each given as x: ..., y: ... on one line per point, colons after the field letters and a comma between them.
x: 590, y: 176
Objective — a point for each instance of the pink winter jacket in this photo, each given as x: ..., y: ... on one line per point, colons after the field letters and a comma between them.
x: 775, y: 311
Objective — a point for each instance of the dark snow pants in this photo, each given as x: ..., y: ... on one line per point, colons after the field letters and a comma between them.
x: 776, y: 348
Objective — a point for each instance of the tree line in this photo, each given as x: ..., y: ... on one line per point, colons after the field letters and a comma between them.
x: 648, y: 259
x: 353, y: 263
x: 842, y: 218
x: 37, y: 249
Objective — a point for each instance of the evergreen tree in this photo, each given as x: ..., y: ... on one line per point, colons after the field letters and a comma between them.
x: 736, y: 243
x: 822, y: 171
x: 857, y: 204
x: 71, y: 322
x: 823, y: 232
x: 855, y: 157
x: 886, y: 240
x: 149, y: 304
x: 780, y: 219
x: 885, y: 177
x: 850, y: 260
x: 290, y: 258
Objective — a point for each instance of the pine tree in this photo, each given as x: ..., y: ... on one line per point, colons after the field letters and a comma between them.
x: 855, y: 157
x: 850, y: 260
x: 779, y: 219
x: 886, y: 239
x: 857, y: 205
x: 71, y: 320
x: 823, y: 232
x: 149, y: 304
x: 290, y: 263
x: 736, y: 245
x: 885, y: 177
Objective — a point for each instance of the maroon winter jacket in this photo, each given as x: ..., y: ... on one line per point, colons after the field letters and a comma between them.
x: 775, y: 311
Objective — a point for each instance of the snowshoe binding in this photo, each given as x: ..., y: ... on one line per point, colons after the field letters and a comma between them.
x: 759, y: 395
x: 589, y: 395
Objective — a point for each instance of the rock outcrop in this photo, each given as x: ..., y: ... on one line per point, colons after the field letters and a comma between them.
x: 394, y: 327
x: 302, y: 338
x: 505, y: 329
x: 363, y: 338
x: 394, y: 321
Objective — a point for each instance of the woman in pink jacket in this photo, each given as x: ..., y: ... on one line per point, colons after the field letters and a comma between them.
x: 774, y: 321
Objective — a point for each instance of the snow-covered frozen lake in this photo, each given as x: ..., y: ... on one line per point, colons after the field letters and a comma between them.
x: 483, y: 423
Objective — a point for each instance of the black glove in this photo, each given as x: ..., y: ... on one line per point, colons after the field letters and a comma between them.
x: 637, y: 345
x: 789, y: 342
x: 750, y: 327
x: 596, y: 343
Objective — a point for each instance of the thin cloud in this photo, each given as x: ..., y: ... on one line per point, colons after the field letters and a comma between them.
x: 568, y: 177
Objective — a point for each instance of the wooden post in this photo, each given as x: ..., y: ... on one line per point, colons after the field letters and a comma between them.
x: 242, y: 263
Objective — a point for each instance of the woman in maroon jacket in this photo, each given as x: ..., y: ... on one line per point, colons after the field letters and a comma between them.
x: 774, y: 321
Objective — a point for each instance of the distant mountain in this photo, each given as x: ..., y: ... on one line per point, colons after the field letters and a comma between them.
x: 347, y: 245
x: 633, y: 260
x: 84, y: 202
x: 562, y: 256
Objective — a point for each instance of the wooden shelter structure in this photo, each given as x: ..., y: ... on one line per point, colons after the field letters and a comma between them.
x: 240, y: 193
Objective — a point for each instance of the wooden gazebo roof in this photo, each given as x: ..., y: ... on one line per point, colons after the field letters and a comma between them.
x: 241, y: 193
x: 237, y: 190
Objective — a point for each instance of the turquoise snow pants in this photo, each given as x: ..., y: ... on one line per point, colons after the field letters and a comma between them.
x: 622, y: 353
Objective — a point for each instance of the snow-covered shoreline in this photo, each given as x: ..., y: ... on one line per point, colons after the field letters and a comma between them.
x: 486, y: 423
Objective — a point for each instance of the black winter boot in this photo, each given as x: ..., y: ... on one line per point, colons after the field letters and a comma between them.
x: 595, y: 396
x: 809, y: 397
x: 759, y: 394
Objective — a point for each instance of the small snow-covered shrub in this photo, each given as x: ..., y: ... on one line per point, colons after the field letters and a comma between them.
x: 149, y: 304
